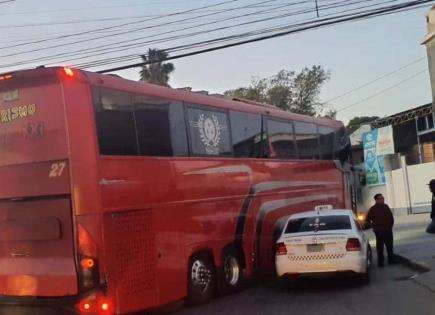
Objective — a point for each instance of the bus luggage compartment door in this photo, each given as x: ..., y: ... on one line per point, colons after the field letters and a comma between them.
x: 36, y: 248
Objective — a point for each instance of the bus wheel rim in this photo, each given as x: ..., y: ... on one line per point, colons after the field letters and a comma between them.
x: 200, y: 275
x: 232, y: 271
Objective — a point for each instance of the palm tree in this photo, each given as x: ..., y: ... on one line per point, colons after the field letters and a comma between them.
x: 155, y: 70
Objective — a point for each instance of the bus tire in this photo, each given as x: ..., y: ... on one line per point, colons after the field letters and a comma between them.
x: 201, y: 279
x: 230, y: 275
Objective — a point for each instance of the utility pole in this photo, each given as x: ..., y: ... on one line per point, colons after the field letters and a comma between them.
x: 317, y: 8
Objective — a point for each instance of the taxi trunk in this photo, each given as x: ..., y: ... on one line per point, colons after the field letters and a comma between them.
x: 319, y: 253
x: 316, y: 248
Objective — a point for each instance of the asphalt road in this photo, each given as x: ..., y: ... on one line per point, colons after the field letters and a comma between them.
x: 392, y: 291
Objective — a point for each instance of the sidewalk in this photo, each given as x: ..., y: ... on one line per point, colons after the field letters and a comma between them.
x: 411, y: 239
x: 416, y: 248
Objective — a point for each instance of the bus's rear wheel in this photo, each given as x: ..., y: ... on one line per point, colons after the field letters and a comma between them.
x: 201, y: 280
x: 231, y: 274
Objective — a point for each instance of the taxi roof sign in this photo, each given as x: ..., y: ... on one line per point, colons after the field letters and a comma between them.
x: 323, y: 207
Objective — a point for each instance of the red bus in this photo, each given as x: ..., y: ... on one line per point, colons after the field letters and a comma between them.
x: 118, y: 196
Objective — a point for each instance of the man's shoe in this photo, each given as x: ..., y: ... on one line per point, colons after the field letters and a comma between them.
x: 381, y: 265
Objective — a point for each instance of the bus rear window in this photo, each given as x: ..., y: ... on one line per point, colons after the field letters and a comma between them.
x: 321, y: 223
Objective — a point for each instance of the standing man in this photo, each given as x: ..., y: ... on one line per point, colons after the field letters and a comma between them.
x: 381, y: 219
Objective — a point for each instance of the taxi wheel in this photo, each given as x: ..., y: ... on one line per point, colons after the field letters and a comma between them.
x: 369, y: 257
x: 365, y: 277
x: 201, y: 280
x: 230, y: 276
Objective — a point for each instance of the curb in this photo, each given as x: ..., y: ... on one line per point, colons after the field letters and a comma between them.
x: 412, y: 264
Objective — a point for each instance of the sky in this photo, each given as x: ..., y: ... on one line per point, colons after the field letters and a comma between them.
x: 355, y: 53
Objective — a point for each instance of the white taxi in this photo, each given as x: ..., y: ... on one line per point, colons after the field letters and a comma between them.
x: 325, y: 240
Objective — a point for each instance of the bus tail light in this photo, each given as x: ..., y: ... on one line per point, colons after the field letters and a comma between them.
x: 353, y: 244
x: 87, y: 263
x: 96, y: 306
x: 89, y: 275
x: 5, y: 77
x: 280, y: 249
x: 86, y: 307
x: 105, y: 307
x: 68, y: 72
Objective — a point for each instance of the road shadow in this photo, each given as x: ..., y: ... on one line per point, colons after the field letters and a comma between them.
x: 314, y: 285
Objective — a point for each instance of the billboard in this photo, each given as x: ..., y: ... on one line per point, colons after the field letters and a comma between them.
x: 377, y: 143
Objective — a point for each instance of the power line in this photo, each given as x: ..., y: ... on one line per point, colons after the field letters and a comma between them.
x: 113, y: 48
x: 383, y: 91
x: 286, y: 26
x: 238, y: 36
x: 120, y: 25
x: 292, y: 28
x: 375, y: 80
x: 226, y: 38
x: 123, y: 32
x: 214, y: 41
x: 353, y: 17
x: 6, y: 1
x: 92, y: 8
x: 146, y: 28
x: 252, y: 33
x: 106, y: 19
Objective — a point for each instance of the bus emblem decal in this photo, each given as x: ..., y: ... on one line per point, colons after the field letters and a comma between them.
x: 210, y: 132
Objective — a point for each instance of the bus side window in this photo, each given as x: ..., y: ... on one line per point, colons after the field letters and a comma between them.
x: 209, y: 131
x: 246, y: 134
x: 327, y: 139
x: 307, y: 140
x: 342, y: 146
x: 114, y: 117
x: 152, y: 124
x: 281, y: 139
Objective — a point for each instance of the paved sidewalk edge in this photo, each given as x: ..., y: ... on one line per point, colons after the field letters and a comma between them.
x: 412, y: 264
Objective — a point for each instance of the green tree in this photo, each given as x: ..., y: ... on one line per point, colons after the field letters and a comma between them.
x: 288, y: 90
x: 156, y: 71
x: 356, y: 122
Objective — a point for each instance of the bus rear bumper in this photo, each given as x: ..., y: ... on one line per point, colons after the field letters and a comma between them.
x: 34, y: 310
x: 39, y: 306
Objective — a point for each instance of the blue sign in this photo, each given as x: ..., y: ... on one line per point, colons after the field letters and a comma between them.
x: 376, y: 143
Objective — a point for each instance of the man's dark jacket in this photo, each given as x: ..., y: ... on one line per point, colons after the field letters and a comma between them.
x: 380, y: 218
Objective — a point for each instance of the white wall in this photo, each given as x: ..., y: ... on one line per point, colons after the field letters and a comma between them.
x: 396, y: 193
x: 418, y: 198
x: 419, y: 176
x: 398, y: 187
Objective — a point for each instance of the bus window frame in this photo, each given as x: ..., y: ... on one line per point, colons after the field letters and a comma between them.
x: 266, y: 138
x: 316, y: 157
x: 203, y: 107
x: 258, y: 115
